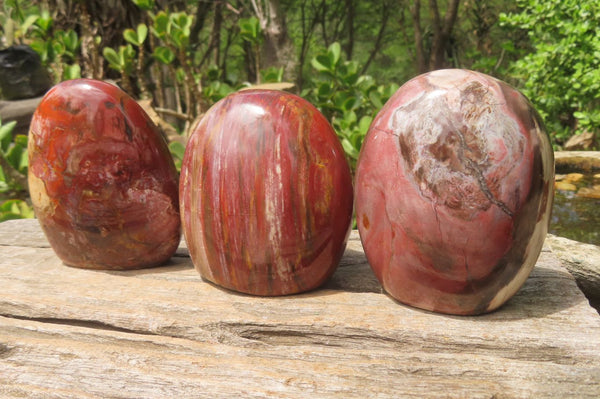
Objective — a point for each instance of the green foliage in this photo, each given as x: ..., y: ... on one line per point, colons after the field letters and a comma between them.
x: 173, y: 29
x: 122, y: 60
x: 177, y: 151
x: 561, y: 75
x: 146, y: 5
x: 164, y: 55
x: 58, y: 49
x: 13, y: 162
x: 271, y: 75
x: 136, y: 37
x: 15, y: 209
x: 13, y: 172
x: 250, y: 30
x: 15, y: 22
x: 216, y: 87
x: 347, y: 98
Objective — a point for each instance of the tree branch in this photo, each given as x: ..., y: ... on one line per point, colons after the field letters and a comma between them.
x: 415, y: 11
x: 385, y: 16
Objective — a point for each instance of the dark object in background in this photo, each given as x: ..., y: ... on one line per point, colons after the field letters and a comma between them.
x: 22, y: 74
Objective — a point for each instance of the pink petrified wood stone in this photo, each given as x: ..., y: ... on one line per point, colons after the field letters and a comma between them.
x: 266, y: 194
x: 454, y: 192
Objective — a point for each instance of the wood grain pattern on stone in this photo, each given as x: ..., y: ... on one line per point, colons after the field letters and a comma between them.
x: 265, y: 194
x: 164, y: 332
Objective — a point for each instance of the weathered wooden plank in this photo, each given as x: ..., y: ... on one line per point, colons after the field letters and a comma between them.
x: 67, y: 361
x: 161, y: 332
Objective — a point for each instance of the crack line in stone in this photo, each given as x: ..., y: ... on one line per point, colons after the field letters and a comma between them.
x: 472, y: 166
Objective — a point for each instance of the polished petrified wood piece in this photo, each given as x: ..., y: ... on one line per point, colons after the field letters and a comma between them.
x: 454, y: 191
x: 266, y: 194
x: 102, y: 181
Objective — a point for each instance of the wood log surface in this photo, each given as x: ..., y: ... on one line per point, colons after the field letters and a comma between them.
x: 164, y: 332
x: 20, y: 111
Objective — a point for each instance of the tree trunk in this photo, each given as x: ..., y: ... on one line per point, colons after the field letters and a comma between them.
x: 277, y: 49
x: 440, y: 36
x: 216, y: 33
x: 350, y: 12
x: 415, y: 11
x: 308, y: 23
x: 442, y: 31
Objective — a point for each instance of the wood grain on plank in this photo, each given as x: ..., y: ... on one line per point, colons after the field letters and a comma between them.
x: 67, y: 332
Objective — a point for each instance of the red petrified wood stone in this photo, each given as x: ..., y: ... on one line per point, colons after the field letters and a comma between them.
x: 266, y: 194
x: 102, y: 181
x: 454, y: 192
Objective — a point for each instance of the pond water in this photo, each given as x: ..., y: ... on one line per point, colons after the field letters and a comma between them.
x: 576, y: 211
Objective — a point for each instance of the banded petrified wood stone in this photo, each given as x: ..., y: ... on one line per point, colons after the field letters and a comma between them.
x: 102, y: 181
x: 454, y: 192
x: 266, y: 194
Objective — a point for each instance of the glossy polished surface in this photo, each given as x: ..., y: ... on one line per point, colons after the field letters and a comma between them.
x: 454, y: 192
x: 266, y: 194
x: 102, y: 180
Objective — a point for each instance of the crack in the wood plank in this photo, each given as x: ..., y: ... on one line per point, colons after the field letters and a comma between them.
x: 273, y: 335
x: 24, y: 246
x: 97, y: 325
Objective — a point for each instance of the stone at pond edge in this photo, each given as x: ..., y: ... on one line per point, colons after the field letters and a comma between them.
x: 453, y: 192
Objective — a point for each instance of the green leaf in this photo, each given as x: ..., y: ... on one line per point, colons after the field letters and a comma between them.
x: 15, y: 209
x: 136, y: 37
x: 112, y: 57
x: 29, y: 21
x: 142, y: 33
x: 375, y: 98
x: 6, y: 134
x: 13, y: 156
x: 44, y: 21
x: 333, y: 52
x: 364, y: 124
x: 183, y: 22
x: 161, y: 24
x: 126, y: 57
x: 321, y: 63
x: 21, y: 139
x: 42, y: 48
x: 145, y: 5
x: 58, y: 47
x: 180, y: 39
x: 324, y: 90
x: 72, y: 72
x: 71, y: 41
x: 164, y: 55
x: 350, y: 117
x: 177, y: 149
x: 131, y: 36
x: 349, y: 149
x: 250, y: 29
x: 350, y: 103
x: 4, y: 187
